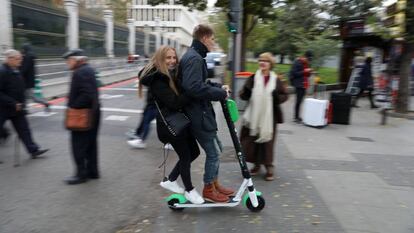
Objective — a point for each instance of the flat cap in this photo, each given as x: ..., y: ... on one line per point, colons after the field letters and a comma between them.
x: 73, y: 52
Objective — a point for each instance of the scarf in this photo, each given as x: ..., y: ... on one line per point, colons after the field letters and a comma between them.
x: 258, y: 116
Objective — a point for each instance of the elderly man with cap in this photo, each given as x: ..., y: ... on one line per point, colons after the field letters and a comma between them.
x: 299, y: 78
x: 83, y: 94
x: 12, y: 102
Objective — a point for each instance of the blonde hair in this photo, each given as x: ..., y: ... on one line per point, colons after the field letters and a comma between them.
x: 157, y: 63
x: 268, y: 56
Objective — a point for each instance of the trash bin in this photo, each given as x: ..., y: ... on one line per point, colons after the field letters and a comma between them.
x: 239, y: 81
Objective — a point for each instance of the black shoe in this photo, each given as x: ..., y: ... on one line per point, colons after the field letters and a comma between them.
x: 298, y: 120
x: 374, y: 106
x: 47, y: 108
x: 94, y: 176
x: 355, y: 106
x: 39, y: 152
x: 75, y: 180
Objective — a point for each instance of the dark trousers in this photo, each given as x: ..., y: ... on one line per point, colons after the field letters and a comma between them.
x: 300, y: 93
x: 361, y: 92
x: 187, y: 151
x: 85, y: 150
x: 21, y: 126
x: 144, y: 127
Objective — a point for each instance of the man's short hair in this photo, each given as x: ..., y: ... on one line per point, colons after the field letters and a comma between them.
x: 11, y: 53
x: 201, y: 31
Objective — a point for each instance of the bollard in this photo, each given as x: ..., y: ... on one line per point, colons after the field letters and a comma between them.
x: 38, y: 89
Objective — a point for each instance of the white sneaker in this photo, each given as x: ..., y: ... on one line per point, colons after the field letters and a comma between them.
x: 168, y: 146
x: 172, y: 186
x: 194, y: 197
x: 137, y: 143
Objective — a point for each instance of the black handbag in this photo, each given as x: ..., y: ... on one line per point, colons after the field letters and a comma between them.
x: 176, y: 122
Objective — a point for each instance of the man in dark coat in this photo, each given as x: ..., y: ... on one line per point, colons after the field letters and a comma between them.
x: 27, y: 69
x: 12, y: 102
x: 299, y: 75
x: 366, y: 83
x: 83, y: 94
x: 194, y: 83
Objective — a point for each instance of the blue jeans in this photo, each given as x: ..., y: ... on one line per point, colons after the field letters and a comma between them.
x: 149, y: 115
x: 212, y: 148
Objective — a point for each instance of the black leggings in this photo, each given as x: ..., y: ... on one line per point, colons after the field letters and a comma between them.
x: 300, y: 93
x: 187, y: 150
x: 361, y: 92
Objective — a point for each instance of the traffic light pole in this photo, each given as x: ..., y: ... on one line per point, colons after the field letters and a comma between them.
x: 236, y: 6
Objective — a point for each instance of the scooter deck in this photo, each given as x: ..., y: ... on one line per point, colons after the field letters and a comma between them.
x: 230, y: 203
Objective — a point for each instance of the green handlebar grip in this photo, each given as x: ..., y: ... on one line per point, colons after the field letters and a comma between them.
x: 233, y: 110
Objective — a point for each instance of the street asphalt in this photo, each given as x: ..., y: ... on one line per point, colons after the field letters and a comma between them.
x: 356, y: 178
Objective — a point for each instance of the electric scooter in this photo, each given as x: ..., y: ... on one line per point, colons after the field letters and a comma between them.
x: 253, y: 199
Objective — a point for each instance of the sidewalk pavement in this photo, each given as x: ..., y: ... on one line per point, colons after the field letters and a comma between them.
x: 356, y: 178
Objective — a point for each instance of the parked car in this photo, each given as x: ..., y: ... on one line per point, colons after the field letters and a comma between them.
x: 133, y: 58
x: 216, y: 62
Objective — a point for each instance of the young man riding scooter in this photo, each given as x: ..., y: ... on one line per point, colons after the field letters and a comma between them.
x: 194, y: 83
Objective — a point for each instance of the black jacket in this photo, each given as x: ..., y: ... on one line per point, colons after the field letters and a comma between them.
x: 27, y: 70
x: 167, y: 100
x: 83, y: 88
x: 193, y: 73
x: 12, y: 91
x: 296, y: 75
x: 365, y: 77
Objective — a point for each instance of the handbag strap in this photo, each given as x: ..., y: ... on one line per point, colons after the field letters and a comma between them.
x: 159, y: 110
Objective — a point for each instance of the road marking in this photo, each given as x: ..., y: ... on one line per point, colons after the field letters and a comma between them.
x: 116, y: 118
x: 105, y: 109
x: 42, y: 114
x: 121, y: 89
x: 108, y: 97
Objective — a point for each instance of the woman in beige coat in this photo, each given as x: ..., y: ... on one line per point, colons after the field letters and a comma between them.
x: 265, y: 92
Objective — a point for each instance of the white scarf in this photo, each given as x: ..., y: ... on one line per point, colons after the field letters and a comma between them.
x: 258, y: 116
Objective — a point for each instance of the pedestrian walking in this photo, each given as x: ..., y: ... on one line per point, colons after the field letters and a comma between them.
x: 299, y: 78
x: 366, y: 83
x: 28, y: 72
x: 265, y: 93
x: 83, y: 94
x: 200, y: 111
x: 13, y: 103
x: 160, y: 75
x: 139, y: 135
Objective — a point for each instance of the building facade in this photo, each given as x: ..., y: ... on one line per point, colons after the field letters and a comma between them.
x: 170, y: 20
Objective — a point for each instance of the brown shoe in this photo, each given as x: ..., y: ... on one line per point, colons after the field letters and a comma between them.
x: 269, y: 173
x: 223, y: 190
x: 211, y: 194
x: 255, y: 170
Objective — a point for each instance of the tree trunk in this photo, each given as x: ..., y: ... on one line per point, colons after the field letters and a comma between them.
x: 403, y: 87
x: 402, y: 105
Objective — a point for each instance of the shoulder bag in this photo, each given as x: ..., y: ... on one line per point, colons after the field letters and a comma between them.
x: 175, y: 121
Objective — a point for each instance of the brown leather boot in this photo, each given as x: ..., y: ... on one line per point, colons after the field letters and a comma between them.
x: 269, y: 173
x: 223, y: 190
x: 211, y: 194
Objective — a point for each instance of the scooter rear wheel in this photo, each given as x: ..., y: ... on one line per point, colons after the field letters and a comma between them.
x: 261, y: 205
x: 171, y: 205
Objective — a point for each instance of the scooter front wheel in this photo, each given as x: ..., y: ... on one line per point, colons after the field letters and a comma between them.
x: 261, y: 205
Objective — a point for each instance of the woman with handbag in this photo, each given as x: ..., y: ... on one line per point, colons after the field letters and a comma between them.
x: 265, y: 92
x: 160, y: 75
